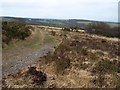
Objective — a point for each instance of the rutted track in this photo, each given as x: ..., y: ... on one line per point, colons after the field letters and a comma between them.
x: 24, y: 54
x: 14, y: 64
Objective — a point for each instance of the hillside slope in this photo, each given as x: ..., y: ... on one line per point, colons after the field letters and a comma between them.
x: 56, y: 22
x: 80, y: 61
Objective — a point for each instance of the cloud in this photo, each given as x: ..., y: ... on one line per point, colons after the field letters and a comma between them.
x: 90, y: 9
x: 56, y: 1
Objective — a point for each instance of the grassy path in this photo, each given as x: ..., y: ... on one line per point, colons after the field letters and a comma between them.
x: 23, y: 53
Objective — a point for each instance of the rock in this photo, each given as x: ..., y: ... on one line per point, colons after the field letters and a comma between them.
x: 38, y: 77
x: 32, y: 70
x: 103, y: 41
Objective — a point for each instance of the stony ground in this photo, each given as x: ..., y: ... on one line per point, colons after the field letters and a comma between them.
x: 80, y: 61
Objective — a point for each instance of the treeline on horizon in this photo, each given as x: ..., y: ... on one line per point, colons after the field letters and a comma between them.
x: 101, y: 28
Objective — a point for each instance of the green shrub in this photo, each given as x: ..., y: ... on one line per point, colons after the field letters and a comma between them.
x: 106, y: 66
x: 62, y: 64
x: 14, y: 30
x: 66, y: 29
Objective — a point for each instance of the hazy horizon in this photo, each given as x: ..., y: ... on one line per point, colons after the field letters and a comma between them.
x: 97, y: 10
x: 58, y: 19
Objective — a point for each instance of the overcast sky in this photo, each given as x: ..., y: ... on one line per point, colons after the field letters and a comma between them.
x: 102, y: 10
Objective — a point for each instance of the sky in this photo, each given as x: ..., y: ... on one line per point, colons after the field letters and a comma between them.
x: 100, y: 10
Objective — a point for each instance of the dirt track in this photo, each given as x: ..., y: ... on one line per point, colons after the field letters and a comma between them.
x: 26, y: 52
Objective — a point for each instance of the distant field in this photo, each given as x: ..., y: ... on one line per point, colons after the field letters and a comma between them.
x: 113, y: 24
x: 84, y: 23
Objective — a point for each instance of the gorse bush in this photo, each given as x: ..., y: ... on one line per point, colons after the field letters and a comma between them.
x: 66, y: 29
x: 62, y: 64
x: 14, y: 30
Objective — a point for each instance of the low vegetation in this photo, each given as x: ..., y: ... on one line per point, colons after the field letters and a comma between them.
x: 14, y: 30
x: 79, y: 61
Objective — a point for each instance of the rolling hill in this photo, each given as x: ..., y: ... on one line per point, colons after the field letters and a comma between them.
x: 56, y: 22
